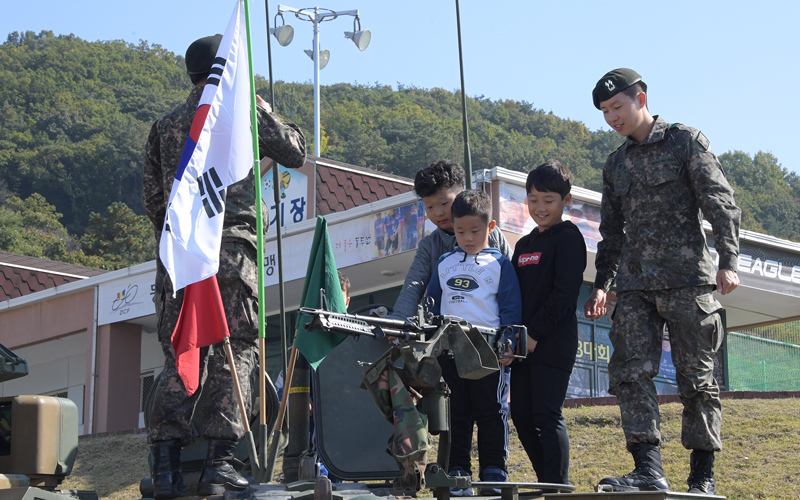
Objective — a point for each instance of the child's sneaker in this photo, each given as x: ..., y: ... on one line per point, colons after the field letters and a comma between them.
x: 461, y: 492
x: 492, y: 475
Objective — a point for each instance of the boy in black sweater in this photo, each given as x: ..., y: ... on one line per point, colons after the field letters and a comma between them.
x: 549, y: 262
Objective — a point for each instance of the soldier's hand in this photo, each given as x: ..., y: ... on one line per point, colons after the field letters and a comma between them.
x: 507, y: 361
x: 595, y: 305
x: 264, y: 104
x: 727, y: 281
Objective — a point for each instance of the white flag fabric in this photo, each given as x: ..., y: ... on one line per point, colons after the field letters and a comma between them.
x: 218, y: 153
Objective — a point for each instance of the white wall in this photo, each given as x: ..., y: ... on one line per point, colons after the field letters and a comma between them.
x: 151, y: 354
x: 152, y: 357
x: 55, y: 365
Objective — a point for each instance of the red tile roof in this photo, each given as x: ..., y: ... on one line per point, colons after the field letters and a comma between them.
x: 21, y: 275
x: 341, y: 186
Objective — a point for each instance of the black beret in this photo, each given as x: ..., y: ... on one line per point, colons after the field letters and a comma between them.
x: 613, y: 83
x: 201, y: 53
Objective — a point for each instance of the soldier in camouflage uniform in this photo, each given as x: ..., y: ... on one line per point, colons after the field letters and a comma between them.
x: 656, y: 189
x: 237, y: 277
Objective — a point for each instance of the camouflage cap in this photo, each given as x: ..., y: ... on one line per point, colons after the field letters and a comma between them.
x: 201, y: 53
x: 612, y: 83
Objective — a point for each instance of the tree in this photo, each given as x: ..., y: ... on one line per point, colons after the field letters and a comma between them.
x: 766, y: 192
x: 31, y: 227
x: 119, y: 237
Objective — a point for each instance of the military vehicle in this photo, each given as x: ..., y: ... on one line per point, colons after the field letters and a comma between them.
x: 38, y: 441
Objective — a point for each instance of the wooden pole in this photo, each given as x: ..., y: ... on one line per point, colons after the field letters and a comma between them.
x: 278, y: 435
x: 245, y: 420
x: 287, y: 387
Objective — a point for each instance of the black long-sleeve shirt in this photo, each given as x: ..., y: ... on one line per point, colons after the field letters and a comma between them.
x: 550, y: 269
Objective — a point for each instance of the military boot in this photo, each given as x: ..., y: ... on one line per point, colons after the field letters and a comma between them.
x: 218, y: 475
x: 166, y: 475
x: 647, y: 475
x: 701, y: 478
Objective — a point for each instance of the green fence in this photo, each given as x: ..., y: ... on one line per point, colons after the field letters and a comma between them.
x: 765, y: 358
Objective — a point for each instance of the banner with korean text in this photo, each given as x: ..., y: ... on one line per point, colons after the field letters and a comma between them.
x: 356, y: 241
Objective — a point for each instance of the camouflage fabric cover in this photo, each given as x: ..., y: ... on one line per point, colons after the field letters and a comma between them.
x: 409, y: 443
x: 237, y: 276
x: 651, y: 219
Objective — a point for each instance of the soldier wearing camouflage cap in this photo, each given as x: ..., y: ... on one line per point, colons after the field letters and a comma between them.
x: 657, y: 187
x: 169, y: 424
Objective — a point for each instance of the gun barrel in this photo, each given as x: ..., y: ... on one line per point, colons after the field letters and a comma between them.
x: 394, y: 324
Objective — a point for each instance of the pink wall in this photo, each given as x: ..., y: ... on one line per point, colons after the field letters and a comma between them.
x: 117, y: 386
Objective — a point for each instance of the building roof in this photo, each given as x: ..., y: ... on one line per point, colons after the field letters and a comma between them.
x: 341, y: 186
x: 21, y: 275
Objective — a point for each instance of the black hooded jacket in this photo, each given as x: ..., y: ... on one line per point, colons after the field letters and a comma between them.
x: 550, y: 269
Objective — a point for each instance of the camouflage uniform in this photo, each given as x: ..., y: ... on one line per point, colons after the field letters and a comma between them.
x: 655, y: 247
x: 237, y: 276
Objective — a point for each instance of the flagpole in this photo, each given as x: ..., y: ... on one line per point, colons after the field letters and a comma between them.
x: 264, y: 432
x: 254, y: 467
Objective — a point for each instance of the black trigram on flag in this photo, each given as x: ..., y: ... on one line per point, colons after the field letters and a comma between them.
x: 213, y: 197
x: 216, y: 71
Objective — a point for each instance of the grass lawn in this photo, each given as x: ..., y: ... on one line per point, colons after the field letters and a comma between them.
x: 760, y: 457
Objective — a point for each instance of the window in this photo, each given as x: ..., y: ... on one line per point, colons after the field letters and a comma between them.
x: 145, y: 388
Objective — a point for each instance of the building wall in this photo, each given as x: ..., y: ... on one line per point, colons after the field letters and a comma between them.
x: 47, y: 319
x: 54, y: 367
x: 63, y: 319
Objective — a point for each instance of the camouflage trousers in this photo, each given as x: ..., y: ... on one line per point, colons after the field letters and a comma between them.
x: 695, y: 333
x: 172, y: 411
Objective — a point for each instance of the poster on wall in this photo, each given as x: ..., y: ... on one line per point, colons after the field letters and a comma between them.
x: 356, y: 241
x: 126, y: 298
x: 514, y: 216
x: 293, y: 191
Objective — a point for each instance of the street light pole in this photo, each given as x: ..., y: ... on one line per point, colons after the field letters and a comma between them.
x: 317, y: 134
x: 298, y: 403
x: 360, y: 38
x: 464, y: 119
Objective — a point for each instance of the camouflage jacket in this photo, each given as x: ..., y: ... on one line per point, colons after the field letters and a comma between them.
x: 651, y: 219
x: 283, y: 142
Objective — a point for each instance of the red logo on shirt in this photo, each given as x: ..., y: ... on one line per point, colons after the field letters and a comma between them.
x: 529, y: 258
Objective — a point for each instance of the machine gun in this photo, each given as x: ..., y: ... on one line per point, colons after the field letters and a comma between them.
x: 412, y: 354
x: 426, y: 329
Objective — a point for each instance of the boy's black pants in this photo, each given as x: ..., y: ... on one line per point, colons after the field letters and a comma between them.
x: 537, y: 398
x: 485, y: 402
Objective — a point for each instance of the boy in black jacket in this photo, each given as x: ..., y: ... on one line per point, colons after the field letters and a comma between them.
x: 549, y: 264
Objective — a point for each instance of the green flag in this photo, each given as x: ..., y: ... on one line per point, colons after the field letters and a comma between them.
x: 321, y: 273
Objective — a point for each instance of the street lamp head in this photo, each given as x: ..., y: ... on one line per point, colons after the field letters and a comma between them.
x: 324, y: 56
x: 283, y: 33
x: 360, y: 38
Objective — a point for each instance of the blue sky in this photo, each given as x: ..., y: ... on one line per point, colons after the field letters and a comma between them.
x: 728, y: 68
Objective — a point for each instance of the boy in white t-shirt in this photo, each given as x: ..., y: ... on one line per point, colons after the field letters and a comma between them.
x: 479, y: 284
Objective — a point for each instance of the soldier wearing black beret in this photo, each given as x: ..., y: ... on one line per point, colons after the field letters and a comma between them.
x: 657, y: 187
x: 200, y: 56
x: 170, y: 422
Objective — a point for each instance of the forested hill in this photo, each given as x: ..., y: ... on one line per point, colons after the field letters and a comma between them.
x: 74, y: 117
